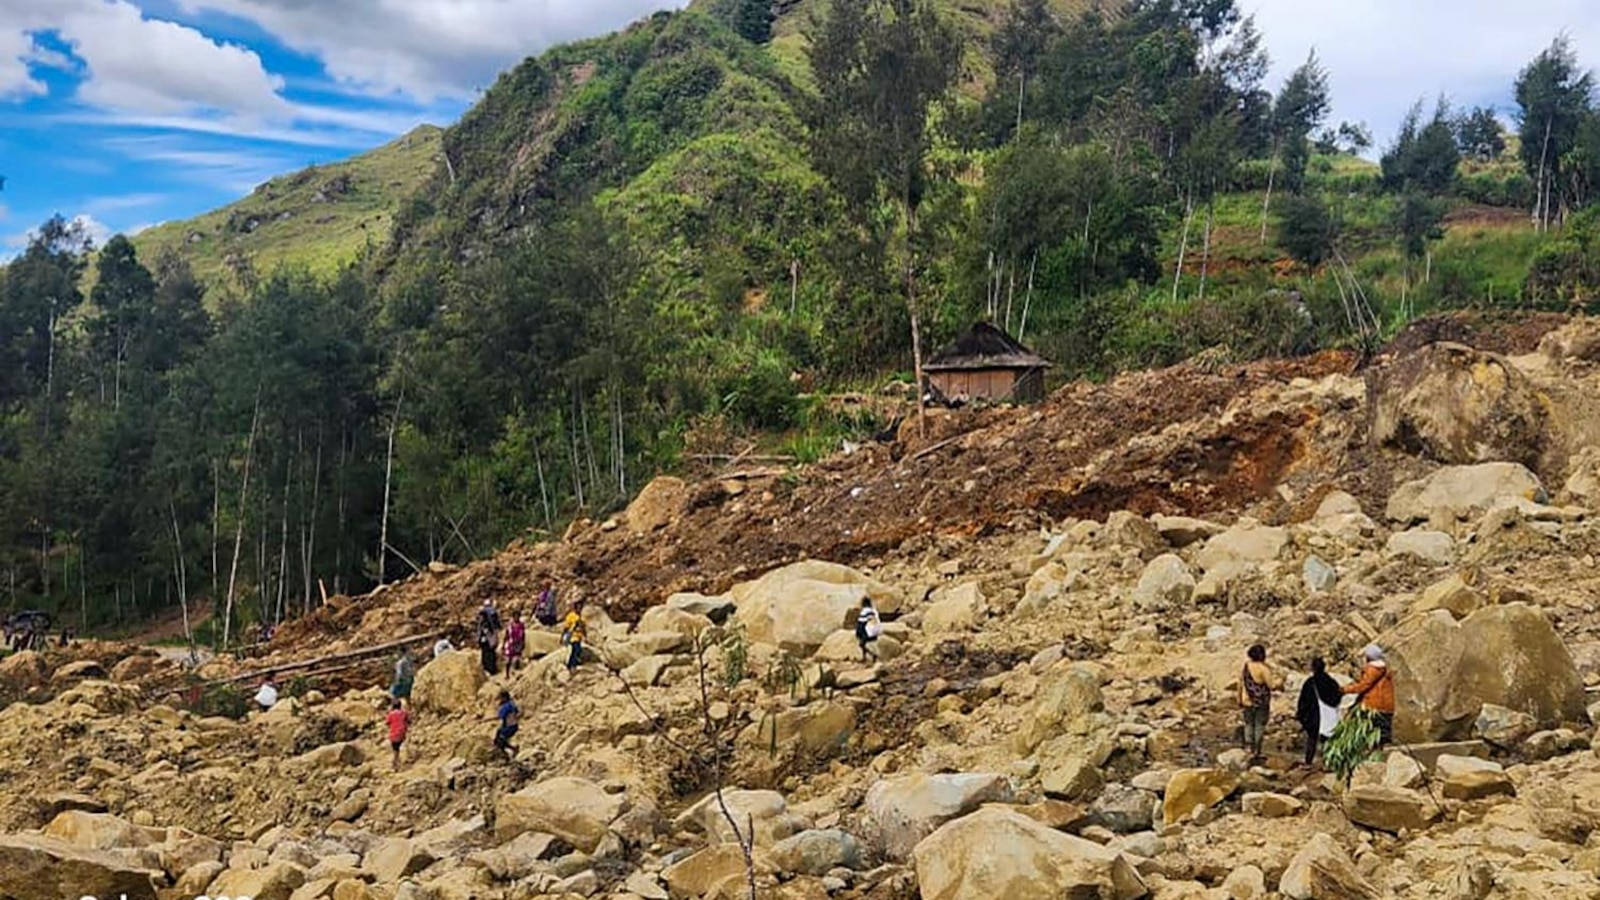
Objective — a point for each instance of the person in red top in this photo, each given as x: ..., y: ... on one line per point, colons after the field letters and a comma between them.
x: 399, y: 723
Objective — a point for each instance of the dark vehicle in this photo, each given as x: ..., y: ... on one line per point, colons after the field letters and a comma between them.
x: 26, y: 630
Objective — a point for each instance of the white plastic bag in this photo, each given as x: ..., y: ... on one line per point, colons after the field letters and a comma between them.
x: 1330, y: 719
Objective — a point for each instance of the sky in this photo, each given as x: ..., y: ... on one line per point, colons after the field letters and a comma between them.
x: 127, y: 113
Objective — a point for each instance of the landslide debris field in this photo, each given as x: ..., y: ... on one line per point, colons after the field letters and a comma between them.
x: 1068, y: 591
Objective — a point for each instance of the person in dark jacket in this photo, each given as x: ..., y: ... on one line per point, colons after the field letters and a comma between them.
x: 1318, y: 710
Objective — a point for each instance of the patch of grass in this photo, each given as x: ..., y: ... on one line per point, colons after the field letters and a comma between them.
x: 319, y: 218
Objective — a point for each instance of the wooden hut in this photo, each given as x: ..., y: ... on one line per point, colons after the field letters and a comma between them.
x: 985, y: 363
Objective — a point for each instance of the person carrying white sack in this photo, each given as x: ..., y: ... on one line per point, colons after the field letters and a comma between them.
x: 1318, y: 709
x: 868, y: 627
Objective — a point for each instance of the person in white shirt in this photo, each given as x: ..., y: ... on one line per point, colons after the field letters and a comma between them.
x: 267, y: 697
x: 868, y: 627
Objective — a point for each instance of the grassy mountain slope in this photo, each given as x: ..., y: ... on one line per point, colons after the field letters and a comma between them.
x: 319, y: 217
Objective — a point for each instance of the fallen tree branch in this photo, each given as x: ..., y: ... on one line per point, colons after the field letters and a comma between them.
x: 361, y: 655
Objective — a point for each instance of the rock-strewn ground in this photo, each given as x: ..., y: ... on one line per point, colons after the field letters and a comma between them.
x: 1068, y: 592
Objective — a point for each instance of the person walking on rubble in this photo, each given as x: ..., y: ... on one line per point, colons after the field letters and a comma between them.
x: 1255, y: 698
x: 489, y: 637
x: 1318, y: 709
x: 405, y: 675
x: 1374, y: 692
x: 574, y: 631
x: 868, y: 628
x: 399, y: 722
x: 516, y: 640
x: 510, y: 720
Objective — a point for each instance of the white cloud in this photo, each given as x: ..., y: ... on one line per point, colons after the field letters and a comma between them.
x: 429, y: 49
x: 16, y: 76
x: 236, y: 170
x: 101, y: 206
x: 133, y: 63
x: 1383, y: 56
x: 151, y: 66
x: 97, y: 232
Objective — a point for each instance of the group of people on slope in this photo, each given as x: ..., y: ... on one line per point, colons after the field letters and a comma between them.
x: 491, y: 645
x: 1320, y: 697
x: 574, y: 634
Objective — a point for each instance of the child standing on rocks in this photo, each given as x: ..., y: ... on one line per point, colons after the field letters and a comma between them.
x: 1255, y: 696
x: 399, y: 721
x: 510, y: 720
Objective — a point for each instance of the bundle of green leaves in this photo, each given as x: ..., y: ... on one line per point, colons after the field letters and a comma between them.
x: 1354, y: 741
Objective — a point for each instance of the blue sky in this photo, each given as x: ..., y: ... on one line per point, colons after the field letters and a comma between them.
x: 133, y: 112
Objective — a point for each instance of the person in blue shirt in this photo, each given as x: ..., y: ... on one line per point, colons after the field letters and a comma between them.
x: 510, y: 718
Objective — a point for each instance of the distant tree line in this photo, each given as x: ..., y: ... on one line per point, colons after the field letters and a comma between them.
x: 705, y: 237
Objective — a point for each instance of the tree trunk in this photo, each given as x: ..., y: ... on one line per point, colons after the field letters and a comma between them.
x: 1022, y: 85
x: 1027, y: 299
x: 916, y: 325
x: 216, y: 524
x: 238, y: 533
x: 1541, y: 211
x: 1266, y: 205
x: 1205, y: 251
x: 183, y: 583
x: 1183, y: 245
x: 388, y: 482
x: 544, y: 492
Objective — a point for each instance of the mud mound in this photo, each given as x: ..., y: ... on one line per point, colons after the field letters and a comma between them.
x: 1504, y: 332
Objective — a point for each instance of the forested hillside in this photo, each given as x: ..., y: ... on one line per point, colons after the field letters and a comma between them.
x: 677, y: 235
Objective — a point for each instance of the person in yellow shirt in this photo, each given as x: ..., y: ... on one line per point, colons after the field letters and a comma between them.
x: 574, y: 631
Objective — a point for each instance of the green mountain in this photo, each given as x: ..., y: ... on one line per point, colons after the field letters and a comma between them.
x: 318, y: 218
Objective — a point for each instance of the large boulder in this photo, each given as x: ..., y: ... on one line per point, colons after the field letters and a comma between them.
x: 1192, y: 789
x: 1391, y: 809
x: 39, y: 866
x: 576, y: 810
x: 767, y: 811
x: 716, y: 871
x: 1323, y: 871
x: 24, y: 670
x: 1509, y: 656
x: 273, y: 881
x: 1165, y: 583
x: 100, y: 831
x: 1457, y: 405
x: 1003, y: 853
x: 1067, y: 700
x: 1459, y: 493
x: 816, y: 730
x: 664, y: 499
x: 798, y: 606
x: 1516, y: 659
x: 1246, y: 545
x: 954, y: 611
x: 900, y: 812
x: 671, y: 618
x: 395, y: 858
x: 449, y: 684
x: 817, y: 852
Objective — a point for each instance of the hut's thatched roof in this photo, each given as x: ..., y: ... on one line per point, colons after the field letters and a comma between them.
x: 984, y: 346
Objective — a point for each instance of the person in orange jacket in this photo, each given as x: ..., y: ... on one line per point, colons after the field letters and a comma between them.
x: 1374, y: 691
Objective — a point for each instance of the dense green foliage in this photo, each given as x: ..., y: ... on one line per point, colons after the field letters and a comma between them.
x: 646, y: 244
